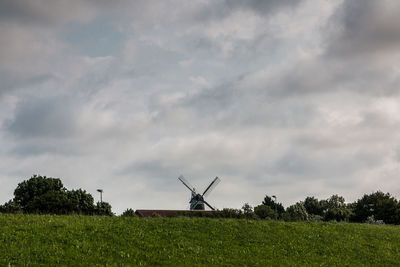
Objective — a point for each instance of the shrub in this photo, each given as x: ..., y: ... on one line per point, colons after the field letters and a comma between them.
x: 296, y: 212
x: 11, y: 207
x: 128, y: 213
x: 248, y: 212
x: 265, y: 212
x: 103, y: 208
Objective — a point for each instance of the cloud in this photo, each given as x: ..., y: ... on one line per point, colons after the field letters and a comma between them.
x: 46, y: 13
x: 364, y: 28
x: 50, y: 117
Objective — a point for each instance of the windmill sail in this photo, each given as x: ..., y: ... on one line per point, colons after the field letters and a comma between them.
x: 197, y: 201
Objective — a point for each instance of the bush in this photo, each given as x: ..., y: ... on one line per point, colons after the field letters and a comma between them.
x: 230, y: 213
x: 128, y: 213
x: 278, y: 207
x: 265, y: 212
x: 11, y: 207
x: 296, y: 212
x: 335, y: 209
x: 313, y: 206
x: 248, y: 212
x: 103, y: 208
x: 379, y: 205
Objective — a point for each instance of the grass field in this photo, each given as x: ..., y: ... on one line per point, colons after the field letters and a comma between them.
x: 91, y: 240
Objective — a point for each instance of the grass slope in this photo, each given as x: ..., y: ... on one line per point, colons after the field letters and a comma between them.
x: 92, y: 240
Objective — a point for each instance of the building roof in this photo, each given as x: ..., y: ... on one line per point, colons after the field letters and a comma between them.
x: 170, y: 213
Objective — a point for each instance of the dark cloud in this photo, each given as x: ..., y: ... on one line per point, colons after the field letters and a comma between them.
x: 264, y: 7
x: 12, y: 81
x: 50, y: 117
x: 220, y: 9
x: 45, y: 13
x: 364, y: 28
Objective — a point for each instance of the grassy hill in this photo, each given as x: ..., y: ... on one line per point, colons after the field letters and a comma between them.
x: 92, y: 240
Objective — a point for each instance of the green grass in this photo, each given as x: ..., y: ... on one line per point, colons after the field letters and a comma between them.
x: 90, y: 240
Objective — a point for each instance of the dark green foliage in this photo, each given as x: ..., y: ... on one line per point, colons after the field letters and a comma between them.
x: 51, y: 202
x: 313, y: 206
x: 248, y: 211
x: 82, y: 202
x: 278, y: 207
x: 46, y: 195
x: 265, y: 212
x: 30, y: 240
x: 331, y: 209
x: 335, y: 209
x: 379, y: 205
x: 10, y: 207
x: 128, y: 213
x: 103, y: 208
x: 296, y: 213
x: 34, y: 187
x: 229, y: 213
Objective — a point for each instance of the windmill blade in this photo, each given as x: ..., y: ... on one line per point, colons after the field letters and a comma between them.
x: 187, y: 184
x: 211, y: 186
x: 193, y: 206
x: 205, y: 202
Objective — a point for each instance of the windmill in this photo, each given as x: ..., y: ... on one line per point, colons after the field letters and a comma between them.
x: 197, y: 200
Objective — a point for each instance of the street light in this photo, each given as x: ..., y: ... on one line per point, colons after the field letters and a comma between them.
x: 101, y: 194
x: 276, y: 208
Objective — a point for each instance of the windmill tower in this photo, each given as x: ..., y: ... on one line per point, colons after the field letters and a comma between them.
x: 197, y: 200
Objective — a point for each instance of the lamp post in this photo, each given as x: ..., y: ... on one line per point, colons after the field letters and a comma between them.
x: 276, y: 208
x: 101, y: 194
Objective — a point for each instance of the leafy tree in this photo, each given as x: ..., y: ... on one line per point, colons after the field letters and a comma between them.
x: 51, y: 202
x: 335, y: 209
x: 128, y: 213
x: 44, y: 195
x: 379, y: 205
x: 231, y: 213
x: 34, y: 187
x: 103, y: 208
x: 265, y: 212
x: 296, y: 212
x: 10, y: 207
x: 81, y: 201
x: 313, y: 206
x: 278, y: 207
x: 248, y: 211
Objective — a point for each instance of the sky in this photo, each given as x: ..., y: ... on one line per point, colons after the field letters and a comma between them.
x: 292, y: 98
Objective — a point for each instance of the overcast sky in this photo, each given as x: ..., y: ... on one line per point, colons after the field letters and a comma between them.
x: 291, y: 98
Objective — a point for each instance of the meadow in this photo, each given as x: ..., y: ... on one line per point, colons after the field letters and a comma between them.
x: 100, y: 240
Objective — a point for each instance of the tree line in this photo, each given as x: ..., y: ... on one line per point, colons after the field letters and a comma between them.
x: 46, y: 195
x: 377, y: 208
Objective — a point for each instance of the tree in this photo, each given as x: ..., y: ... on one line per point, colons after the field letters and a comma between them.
x: 34, y: 187
x: 82, y: 202
x: 335, y: 209
x: 10, y: 207
x: 265, y: 212
x: 103, y: 208
x: 51, y: 202
x: 44, y: 195
x: 230, y: 213
x: 128, y: 213
x: 248, y: 211
x: 313, y: 206
x: 278, y: 207
x: 296, y: 212
x: 379, y: 205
